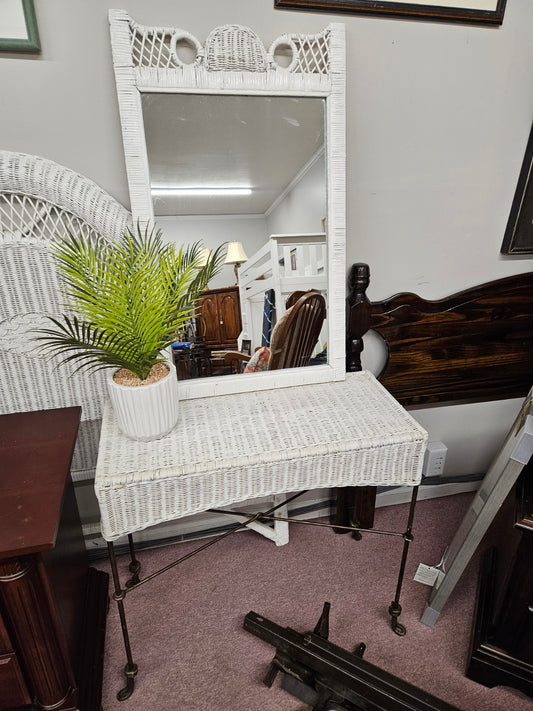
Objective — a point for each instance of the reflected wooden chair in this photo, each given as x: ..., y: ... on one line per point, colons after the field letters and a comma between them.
x: 294, y: 336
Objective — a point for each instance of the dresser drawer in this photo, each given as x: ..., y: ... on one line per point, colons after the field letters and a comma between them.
x: 13, y: 691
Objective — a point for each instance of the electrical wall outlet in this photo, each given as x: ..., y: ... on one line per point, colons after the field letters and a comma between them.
x: 434, y: 459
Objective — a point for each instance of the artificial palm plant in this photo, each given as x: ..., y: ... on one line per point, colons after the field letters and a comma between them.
x: 125, y: 299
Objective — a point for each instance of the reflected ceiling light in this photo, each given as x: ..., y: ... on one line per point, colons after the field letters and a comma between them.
x: 200, y: 191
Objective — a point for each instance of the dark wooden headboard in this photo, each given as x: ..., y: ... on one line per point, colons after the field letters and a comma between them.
x: 474, y: 345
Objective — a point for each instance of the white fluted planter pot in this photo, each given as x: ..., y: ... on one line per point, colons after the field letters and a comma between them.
x: 146, y: 412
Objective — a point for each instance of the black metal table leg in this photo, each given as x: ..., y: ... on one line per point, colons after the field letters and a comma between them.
x: 395, y: 608
x: 130, y: 670
x: 134, y: 566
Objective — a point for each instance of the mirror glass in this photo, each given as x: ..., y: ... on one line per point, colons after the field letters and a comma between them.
x: 246, y: 169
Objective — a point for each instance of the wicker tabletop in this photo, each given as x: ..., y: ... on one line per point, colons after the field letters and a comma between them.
x: 236, y: 447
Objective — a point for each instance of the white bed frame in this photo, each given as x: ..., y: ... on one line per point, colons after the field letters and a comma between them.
x: 285, y: 264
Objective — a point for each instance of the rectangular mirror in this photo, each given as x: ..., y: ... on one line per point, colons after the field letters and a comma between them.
x: 227, y: 143
x: 246, y: 171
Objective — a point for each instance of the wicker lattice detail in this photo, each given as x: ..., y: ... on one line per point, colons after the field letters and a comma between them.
x: 313, y: 56
x: 27, y: 218
x: 39, y: 179
x: 227, y: 48
x: 153, y: 48
x: 310, y: 53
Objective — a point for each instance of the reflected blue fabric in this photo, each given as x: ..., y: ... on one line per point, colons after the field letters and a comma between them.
x: 269, y: 316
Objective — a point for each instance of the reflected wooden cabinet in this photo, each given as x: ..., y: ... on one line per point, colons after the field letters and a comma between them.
x: 219, y: 318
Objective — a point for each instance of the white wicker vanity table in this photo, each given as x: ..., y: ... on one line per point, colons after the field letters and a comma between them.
x: 228, y: 449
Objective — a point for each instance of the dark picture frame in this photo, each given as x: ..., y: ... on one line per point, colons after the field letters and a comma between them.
x: 518, y: 236
x: 25, y: 40
x: 467, y: 11
x: 246, y: 347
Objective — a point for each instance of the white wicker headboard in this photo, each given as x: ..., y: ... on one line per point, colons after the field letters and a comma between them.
x: 40, y: 199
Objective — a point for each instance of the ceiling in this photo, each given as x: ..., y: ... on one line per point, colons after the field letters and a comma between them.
x: 217, y: 141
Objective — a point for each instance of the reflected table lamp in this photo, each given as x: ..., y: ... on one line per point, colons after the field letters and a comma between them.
x: 236, y: 256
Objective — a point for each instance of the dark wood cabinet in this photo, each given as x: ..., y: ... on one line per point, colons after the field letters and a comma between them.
x: 501, y: 651
x: 13, y: 690
x: 219, y: 319
x: 52, y: 605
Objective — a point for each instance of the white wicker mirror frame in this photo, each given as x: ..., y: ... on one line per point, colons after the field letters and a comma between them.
x: 233, y: 60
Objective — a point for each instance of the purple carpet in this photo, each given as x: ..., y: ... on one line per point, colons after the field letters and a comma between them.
x: 193, y: 654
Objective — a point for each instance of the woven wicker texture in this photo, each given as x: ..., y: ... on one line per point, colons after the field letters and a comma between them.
x: 228, y: 449
x: 40, y: 200
x: 234, y: 48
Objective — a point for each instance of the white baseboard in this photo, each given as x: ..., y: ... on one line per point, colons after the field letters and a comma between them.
x: 402, y: 495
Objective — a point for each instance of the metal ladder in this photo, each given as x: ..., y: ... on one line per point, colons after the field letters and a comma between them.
x: 499, y: 480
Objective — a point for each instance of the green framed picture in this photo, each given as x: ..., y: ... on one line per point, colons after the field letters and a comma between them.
x: 18, y: 26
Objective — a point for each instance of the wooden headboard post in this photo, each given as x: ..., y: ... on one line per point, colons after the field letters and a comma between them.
x: 355, y: 505
x: 357, y: 315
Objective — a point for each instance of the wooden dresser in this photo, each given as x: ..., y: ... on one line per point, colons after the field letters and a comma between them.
x: 219, y: 321
x: 52, y: 605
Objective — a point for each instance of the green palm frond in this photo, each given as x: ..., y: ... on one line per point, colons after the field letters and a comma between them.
x: 184, y: 300
x: 124, y: 298
x: 88, y: 344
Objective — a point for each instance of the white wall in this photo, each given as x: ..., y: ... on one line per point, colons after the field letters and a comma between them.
x: 304, y: 207
x: 438, y: 117
x: 211, y: 231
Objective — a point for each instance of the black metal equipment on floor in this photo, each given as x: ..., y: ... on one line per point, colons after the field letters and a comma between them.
x: 328, y: 678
